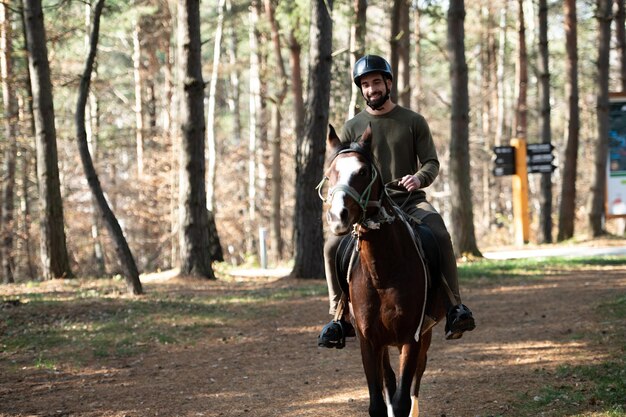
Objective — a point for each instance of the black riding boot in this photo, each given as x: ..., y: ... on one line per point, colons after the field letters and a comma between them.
x: 334, y: 334
x: 458, y: 320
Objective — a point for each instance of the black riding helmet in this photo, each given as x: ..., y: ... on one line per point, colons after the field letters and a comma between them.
x: 368, y: 64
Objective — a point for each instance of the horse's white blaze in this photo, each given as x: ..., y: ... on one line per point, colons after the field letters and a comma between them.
x: 334, y: 214
x: 346, y: 167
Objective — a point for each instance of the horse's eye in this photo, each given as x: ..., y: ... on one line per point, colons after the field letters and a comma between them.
x: 362, y: 172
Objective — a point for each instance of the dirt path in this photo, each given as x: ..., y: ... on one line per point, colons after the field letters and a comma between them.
x: 270, y: 366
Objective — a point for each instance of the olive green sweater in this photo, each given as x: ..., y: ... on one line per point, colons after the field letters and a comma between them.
x: 402, y: 145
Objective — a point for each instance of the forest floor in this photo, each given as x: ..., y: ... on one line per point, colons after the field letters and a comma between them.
x: 269, y: 365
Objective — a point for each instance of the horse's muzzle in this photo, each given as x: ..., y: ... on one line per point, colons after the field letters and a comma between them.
x: 338, y: 223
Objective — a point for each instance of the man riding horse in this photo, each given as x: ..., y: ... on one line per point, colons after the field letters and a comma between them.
x: 407, y: 156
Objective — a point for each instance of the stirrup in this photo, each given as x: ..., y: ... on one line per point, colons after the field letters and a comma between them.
x: 459, y: 320
x: 333, y: 335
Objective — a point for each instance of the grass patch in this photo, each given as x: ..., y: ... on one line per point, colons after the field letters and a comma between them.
x: 593, y: 390
x: 82, y: 322
x: 596, y: 390
x: 586, y: 390
x: 616, y: 308
x: 495, y: 270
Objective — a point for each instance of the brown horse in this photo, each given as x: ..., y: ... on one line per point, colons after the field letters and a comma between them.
x: 391, y: 301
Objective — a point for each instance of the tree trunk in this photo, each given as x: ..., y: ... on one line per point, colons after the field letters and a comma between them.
x: 487, y: 80
x: 121, y: 246
x: 170, y: 129
x: 28, y: 158
x: 567, y: 207
x: 417, y: 81
x: 310, y: 148
x: 211, y: 145
x: 254, y: 103
x: 194, y: 224
x: 620, y: 35
x: 502, y: 64
x: 297, y: 89
x: 9, y: 102
x: 462, y: 215
x: 92, y: 126
x: 521, y: 110
x: 402, y: 41
x: 545, y: 199
x: 357, y: 49
x: 262, y: 125
x: 275, y: 142
x: 137, y: 74
x: 598, y: 185
x: 400, y: 44
x: 235, y: 77
x: 25, y: 164
x: 54, y: 256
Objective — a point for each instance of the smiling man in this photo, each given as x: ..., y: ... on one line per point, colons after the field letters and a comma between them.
x: 405, y: 151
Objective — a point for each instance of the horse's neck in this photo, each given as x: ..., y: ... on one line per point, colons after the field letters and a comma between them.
x: 390, y: 231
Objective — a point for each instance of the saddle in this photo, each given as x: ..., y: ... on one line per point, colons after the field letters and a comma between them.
x: 425, y: 242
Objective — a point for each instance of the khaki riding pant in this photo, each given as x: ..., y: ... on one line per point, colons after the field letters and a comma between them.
x: 426, y: 214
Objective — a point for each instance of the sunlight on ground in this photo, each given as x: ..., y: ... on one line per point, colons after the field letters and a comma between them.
x: 236, y: 275
x: 159, y: 276
x: 540, y: 352
x: 260, y: 272
x: 525, y: 287
x: 345, y: 395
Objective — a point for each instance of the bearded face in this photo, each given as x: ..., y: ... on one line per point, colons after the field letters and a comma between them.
x: 375, y: 90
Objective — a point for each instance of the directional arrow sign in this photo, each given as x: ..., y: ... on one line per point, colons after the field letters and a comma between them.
x: 541, y: 168
x: 539, y: 148
x: 500, y: 150
x: 539, y: 158
x: 501, y: 171
x: 505, y: 161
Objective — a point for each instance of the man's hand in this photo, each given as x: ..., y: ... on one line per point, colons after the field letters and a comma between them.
x: 410, y: 182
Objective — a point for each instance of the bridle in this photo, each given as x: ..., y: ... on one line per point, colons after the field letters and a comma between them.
x: 362, y: 199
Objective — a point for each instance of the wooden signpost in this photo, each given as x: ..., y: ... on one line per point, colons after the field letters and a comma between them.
x: 518, y: 160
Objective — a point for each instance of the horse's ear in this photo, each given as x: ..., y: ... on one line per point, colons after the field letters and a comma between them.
x: 333, y: 141
x: 366, y: 137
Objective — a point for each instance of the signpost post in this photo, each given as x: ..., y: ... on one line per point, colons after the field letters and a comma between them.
x: 521, y: 216
x: 519, y: 160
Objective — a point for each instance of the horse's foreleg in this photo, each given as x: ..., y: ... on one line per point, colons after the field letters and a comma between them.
x: 373, y: 365
x: 402, y: 401
x: 422, y: 358
x: 389, y: 376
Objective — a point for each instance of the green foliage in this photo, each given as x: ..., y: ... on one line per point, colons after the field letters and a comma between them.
x: 294, y: 15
